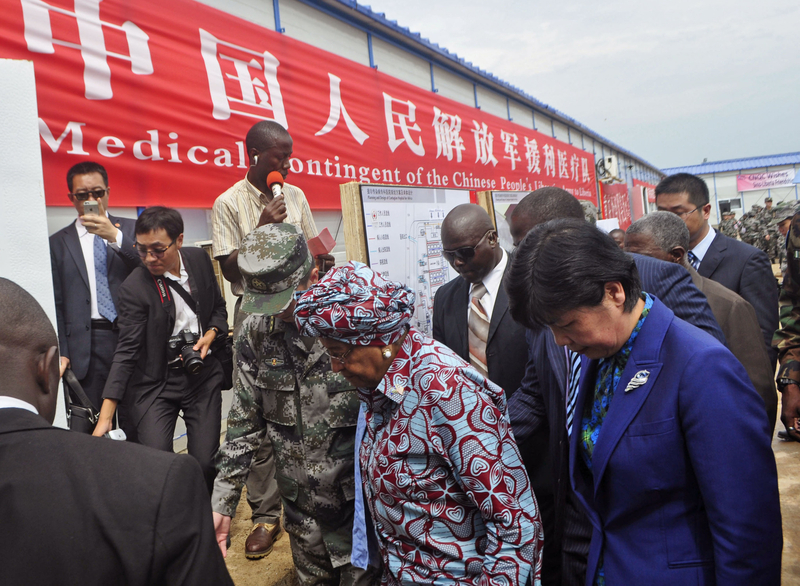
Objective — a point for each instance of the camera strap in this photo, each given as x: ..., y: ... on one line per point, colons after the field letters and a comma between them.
x: 163, y: 285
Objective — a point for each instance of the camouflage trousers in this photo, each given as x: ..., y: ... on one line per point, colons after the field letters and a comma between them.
x: 311, y: 558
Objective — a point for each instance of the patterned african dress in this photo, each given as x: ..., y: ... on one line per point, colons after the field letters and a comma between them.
x: 449, y: 498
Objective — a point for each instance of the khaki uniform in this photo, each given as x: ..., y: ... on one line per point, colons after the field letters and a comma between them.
x: 286, y: 390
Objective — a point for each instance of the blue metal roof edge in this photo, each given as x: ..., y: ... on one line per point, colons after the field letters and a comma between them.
x: 738, y: 164
x: 381, y: 19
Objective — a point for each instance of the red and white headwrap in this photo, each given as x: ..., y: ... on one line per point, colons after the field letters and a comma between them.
x: 355, y: 305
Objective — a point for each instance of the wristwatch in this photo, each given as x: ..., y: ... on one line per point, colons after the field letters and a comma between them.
x: 216, y: 330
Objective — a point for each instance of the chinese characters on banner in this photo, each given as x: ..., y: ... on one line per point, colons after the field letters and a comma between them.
x: 616, y: 203
x: 644, y: 194
x: 163, y: 94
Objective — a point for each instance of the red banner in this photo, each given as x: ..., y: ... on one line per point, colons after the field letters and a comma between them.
x: 616, y: 203
x: 163, y: 93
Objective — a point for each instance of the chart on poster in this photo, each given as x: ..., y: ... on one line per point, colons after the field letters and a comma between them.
x: 403, y: 226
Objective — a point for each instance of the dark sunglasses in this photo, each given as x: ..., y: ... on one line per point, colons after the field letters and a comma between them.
x: 464, y: 253
x: 156, y: 252
x: 85, y: 195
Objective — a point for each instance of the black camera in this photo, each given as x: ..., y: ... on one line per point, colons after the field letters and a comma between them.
x: 181, y: 346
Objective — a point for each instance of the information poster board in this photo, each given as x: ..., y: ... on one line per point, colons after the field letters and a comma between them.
x: 500, y: 205
x: 396, y: 230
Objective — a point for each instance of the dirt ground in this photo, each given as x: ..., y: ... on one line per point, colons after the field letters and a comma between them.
x: 276, y: 569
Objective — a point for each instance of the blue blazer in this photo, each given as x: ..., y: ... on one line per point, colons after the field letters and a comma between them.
x: 684, y: 488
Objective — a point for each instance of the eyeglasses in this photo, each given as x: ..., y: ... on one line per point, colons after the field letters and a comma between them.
x: 684, y: 215
x: 340, y: 358
x: 464, y: 253
x: 85, y: 195
x: 156, y: 252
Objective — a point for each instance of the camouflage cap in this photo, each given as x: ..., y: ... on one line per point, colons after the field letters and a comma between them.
x: 273, y: 259
x: 783, y: 212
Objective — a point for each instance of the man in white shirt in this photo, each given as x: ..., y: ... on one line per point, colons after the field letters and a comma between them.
x: 170, y: 312
x: 742, y: 268
x: 90, y: 259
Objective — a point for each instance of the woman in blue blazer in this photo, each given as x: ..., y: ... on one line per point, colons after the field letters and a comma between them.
x: 669, y: 451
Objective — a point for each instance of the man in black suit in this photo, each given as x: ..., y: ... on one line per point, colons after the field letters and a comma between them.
x: 470, y: 316
x: 114, y: 512
x: 742, y: 268
x: 541, y: 401
x: 173, y: 298
x: 90, y: 259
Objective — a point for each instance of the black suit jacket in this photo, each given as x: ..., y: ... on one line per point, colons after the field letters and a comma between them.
x: 745, y: 270
x: 79, y: 510
x: 71, y: 288
x: 540, y: 402
x: 506, y: 353
x: 145, y: 325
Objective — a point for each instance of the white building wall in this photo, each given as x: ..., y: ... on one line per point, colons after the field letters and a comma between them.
x: 306, y: 24
x: 23, y: 234
x: 521, y: 115
x: 453, y: 86
x: 398, y: 63
x: 258, y: 12
x: 492, y: 102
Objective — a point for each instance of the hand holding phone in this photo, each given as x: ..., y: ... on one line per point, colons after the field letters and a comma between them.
x: 91, y: 208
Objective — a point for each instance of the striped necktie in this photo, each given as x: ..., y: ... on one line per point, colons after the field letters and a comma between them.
x: 478, y: 323
x: 572, y: 386
x: 693, y: 260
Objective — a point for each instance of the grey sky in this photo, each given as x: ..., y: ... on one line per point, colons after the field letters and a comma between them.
x: 673, y: 82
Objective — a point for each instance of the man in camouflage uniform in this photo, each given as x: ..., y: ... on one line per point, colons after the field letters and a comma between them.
x: 750, y: 228
x: 787, y: 338
x: 286, y: 389
x: 728, y: 225
x: 771, y: 236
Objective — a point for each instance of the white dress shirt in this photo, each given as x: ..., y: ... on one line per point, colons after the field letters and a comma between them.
x: 492, y: 282
x: 702, y: 247
x: 86, y: 239
x: 13, y: 403
x: 185, y: 318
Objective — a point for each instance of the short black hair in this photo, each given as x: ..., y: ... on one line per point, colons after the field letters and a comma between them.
x: 157, y: 217
x: 548, y: 203
x: 23, y: 322
x: 695, y: 187
x: 85, y: 168
x: 565, y: 264
x: 264, y: 134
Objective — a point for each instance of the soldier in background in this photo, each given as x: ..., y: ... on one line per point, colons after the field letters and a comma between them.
x: 286, y: 390
x: 780, y: 224
x: 729, y: 225
x: 750, y: 229
x: 787, y: 338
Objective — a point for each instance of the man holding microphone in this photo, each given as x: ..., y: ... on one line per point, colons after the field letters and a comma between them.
x: 260, y: 198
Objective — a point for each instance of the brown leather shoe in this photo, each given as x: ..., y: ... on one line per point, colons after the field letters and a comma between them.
x: 259, y: 542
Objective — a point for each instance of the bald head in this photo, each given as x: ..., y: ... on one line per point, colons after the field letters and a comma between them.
x: 28, y: 350
x: 265, y: 134
x: 540, y: 206
x: 470, y: 242
x: 466, y: 218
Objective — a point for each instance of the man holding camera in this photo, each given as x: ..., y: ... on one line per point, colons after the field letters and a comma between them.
x: 170, y: 312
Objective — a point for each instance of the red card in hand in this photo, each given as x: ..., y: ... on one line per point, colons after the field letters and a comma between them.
x: 322, y: 244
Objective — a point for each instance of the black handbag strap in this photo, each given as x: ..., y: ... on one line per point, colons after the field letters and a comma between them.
x: 80, y: 394
x: 163, y: 285
x: 184, y: 294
